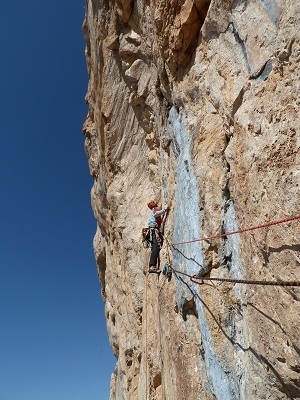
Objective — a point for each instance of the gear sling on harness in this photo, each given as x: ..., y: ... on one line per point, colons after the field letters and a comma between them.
x: 152, y: 237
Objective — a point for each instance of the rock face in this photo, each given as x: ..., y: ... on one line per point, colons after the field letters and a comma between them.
x: 196, y: 104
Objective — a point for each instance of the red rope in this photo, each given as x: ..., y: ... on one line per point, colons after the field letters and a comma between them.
x: 200, y: 280
x: 251, y: 228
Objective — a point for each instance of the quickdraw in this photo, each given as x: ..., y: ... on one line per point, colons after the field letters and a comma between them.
x: 167, y: 271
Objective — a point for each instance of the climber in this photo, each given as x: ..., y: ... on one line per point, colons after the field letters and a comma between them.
x: 155, y: 220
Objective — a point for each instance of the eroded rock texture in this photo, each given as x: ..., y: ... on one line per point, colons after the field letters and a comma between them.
x: 196, y: 104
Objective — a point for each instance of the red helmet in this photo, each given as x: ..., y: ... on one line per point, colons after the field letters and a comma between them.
x: 152, y: 204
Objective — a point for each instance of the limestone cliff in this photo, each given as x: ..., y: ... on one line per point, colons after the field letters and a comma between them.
x: 196, y: 104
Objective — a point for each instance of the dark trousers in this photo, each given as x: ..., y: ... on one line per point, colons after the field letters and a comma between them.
x: 155, y: 249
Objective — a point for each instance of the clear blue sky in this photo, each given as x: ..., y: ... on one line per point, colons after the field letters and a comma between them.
x: 53, y: 340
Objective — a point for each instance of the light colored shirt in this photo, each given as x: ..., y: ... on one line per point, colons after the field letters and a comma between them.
x: 152, y: 218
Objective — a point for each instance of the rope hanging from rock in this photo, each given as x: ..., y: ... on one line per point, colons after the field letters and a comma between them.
x: 195, y: 279
x: 251, y: 228
x: 200, y: 280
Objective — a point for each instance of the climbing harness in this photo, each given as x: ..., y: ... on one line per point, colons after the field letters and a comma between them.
x: 146, y: 237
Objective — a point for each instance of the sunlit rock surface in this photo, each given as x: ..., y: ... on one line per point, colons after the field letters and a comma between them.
x: 196, y: 104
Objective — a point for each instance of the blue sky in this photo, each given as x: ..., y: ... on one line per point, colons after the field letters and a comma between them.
x: 53, y: 340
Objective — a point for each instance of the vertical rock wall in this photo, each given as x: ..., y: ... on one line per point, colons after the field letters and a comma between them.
x: 196, y: 104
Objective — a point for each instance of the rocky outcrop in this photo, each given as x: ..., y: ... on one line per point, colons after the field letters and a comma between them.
x: 196, y: 104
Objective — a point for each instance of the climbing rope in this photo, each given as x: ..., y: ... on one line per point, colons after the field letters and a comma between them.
x: 160, y: 342
x: 251, y: 228
x: 146, y: 340
x: 200, y: 281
